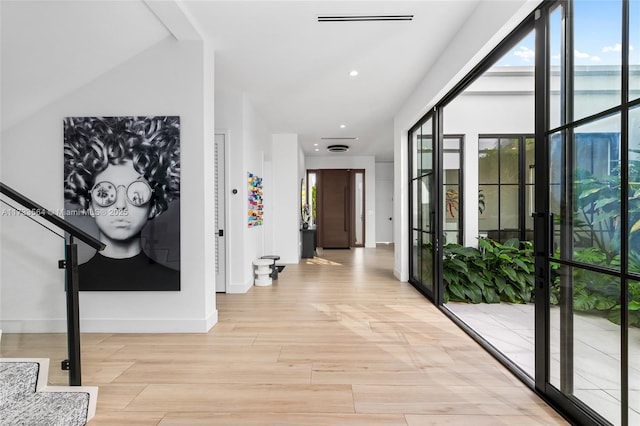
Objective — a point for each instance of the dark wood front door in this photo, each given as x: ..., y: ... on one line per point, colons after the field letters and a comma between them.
x: 334, y: 206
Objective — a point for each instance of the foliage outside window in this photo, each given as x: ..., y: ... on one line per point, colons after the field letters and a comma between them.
x: 496, y: 272
x: 491, y: 273
x: 597, y: 230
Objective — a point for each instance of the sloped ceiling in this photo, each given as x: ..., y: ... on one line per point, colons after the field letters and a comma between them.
x: 293, y: 68
x: 51, y: 48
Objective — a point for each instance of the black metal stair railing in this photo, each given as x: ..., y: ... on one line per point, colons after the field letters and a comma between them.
x: 70, y: 265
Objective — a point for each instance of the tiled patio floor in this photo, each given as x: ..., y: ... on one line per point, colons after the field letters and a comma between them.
x: 510, y: 328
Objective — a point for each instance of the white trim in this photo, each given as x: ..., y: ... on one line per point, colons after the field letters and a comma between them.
x: 34, y: 326
x: 136, y: 325
x: 212, y: 320
x: 398, y: 274
x: 113, y: 325
x: 237, y: 288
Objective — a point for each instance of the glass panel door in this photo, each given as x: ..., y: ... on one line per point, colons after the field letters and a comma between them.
x: 426, y: 236
x: 588, y: 168
x: 427, y: 211
x: 452, y: 208
x: 488, y: 275
x: 423, y: 207
x: 585, y: 280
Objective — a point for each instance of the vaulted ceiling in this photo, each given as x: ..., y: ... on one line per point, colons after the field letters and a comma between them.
x: 294, y: 68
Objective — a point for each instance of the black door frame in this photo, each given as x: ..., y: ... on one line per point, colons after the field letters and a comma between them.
x: 539, y: 21
x: 434, y: 216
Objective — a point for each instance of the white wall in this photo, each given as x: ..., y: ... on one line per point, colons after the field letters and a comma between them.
x: 282, y: 206
x: 490, y: 23
x: 170, y: 78
x: 269, y: 208
x: 256, y: 142
x: 207, y: 185
x: 229, y: 117
x: 481, y: 110
x: 355, y: 162
x: 249, y: 138
x: 285, y: 154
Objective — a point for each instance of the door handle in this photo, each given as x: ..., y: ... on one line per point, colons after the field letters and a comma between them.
x: 542, y: 221
x: 220, y: 232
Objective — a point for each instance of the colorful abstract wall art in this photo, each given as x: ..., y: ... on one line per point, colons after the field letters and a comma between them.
x: 254, y: 218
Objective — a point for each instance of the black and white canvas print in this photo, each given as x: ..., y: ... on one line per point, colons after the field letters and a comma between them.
x: 122, y: 184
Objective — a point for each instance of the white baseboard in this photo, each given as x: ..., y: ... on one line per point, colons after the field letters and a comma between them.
x: 119, y: 325
x: 398, y: 275
x: 239, y: 288
x: 212, y: 320
x: 34, y: 326
x: 145, y: 326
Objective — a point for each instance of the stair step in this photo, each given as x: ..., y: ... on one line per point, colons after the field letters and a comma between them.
x: 47, y: 408
x: 25, y: 398
x: 17, y: 379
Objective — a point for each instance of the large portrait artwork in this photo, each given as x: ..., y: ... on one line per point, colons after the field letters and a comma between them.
x: 122, y: 184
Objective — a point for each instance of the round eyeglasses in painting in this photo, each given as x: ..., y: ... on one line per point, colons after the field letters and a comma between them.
x: 105, y: 193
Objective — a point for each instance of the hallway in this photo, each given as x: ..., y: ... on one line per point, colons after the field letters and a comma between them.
x: 336, y: 341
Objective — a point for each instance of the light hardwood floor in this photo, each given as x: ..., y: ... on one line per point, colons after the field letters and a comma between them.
x: 337, y: 340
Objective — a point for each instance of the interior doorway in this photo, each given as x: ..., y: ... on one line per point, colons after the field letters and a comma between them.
x: 384, y: 210
x: 340, y: 212
x: 221, y: 139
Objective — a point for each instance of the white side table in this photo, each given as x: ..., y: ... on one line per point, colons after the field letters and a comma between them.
x: 263, y: 272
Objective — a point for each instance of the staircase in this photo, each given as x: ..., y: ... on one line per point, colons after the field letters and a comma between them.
x: 25, y: 398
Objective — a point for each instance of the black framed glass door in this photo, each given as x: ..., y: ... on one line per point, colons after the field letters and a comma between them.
x: 584, y: 179
x: 585, y: 330
x: 424, y: 245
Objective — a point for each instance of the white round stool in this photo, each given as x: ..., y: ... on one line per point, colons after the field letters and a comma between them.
x: 263, y: 272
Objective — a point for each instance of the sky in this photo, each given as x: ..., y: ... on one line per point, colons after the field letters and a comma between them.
x: 597, y: 36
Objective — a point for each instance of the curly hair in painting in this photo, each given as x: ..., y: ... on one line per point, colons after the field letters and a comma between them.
x: 152, y: 144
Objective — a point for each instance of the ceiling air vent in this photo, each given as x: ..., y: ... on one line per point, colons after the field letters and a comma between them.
x: 337, y: 148
x: 350, y: 138
x: 364, y: 18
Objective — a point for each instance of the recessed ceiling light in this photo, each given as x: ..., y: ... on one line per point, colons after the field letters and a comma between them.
x: 342, y: 126
x: 338, y: 148
x: 353, y: 73
x: 317, y: 149
x: 315, y: 144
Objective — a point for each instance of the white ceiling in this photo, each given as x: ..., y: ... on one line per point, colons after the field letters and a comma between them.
x: 50, y: 48
x: 294, y: 69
